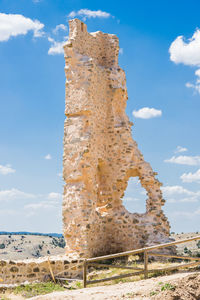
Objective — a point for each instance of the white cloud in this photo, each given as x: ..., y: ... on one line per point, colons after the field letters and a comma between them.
x: 52, y: 202
x: 5, y: 170
x: 55, y: 196
x: 59, y: 28
x: 121, y: 51
x: 187, y: 214
x: 56, y: 47
x: 184, y: 160
x: 180, y: 149
x: 184, y: 214
x: 176, y: 190
x: 197, y: 72
x: 13, y: 25
x: 40, y: 205
x: 14, y: 194
x: 185, y: 52
x: 48, y: 157
x: 189, y: 85
x: 196, y: 85
x: 188, y: 53
x: 179, y: 194
x: 192, y: 199
x: 52, y: 199
x: 147, y: 113
x: 191, y: 177
x: 87, y: 13
x: 189, y: 199
x: 130, y: 199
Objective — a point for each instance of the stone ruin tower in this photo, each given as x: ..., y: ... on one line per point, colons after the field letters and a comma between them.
x: 100, y: 154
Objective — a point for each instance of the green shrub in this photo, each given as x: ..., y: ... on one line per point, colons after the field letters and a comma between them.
x: 2, y: 246
x: 34, y: 289
x: 58, y: 242
x: 168, y: 286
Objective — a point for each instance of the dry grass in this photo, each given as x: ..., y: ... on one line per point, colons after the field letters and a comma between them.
x: 101, y: 273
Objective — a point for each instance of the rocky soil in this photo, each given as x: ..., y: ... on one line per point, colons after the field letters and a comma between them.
x: 184, y: 289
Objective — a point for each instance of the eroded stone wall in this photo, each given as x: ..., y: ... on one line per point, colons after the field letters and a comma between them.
x: 13, y: 272
x: 100, y: 154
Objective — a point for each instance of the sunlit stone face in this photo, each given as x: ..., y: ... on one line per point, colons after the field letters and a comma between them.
x: 100, y: 155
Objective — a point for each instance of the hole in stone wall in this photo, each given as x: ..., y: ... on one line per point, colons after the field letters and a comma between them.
x: 135, y: 196
x: 82, y: 27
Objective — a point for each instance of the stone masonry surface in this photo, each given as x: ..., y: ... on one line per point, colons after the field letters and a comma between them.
x: 100, y: 154
x: 19, y: 271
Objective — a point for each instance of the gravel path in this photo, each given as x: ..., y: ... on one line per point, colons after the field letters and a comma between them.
x: 130, y: 290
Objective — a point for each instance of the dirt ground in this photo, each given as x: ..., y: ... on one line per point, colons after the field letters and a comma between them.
x: 180, y: 286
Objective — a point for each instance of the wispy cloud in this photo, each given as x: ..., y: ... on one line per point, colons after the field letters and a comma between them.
x: 176, y: 190
x: 121, y: 51
x: 36, y: 202
x: 48, y: 157
x: 7, y: 169
x: 195, y: 86
x: 40, y: 205
x: 54, y: 196
x: 180, y: 149
x: 130, y: 199
x: 87, y: 13
x: 192, y: 199
x: 184, y: 160
x: 12, y: 25
x: 147, y: 113
x: 14, y: 194
x: 52, y: 201
x: 191, y: 177
x: 56, y: 47
x: 60, y: 27
x: 187, y: 53
x: 179, y: 194
x: 187, y: 214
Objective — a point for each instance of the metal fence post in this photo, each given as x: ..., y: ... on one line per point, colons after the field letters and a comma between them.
x: 145, y: 264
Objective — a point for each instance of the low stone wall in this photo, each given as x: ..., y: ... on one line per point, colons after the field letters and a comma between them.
x: 37, y: 269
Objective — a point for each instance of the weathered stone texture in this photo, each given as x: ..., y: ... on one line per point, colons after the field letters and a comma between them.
x: 12, y: 272
x: 100, y: 154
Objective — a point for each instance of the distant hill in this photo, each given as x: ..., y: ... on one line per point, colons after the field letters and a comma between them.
x: 23, y: 245
x: 30, y: 233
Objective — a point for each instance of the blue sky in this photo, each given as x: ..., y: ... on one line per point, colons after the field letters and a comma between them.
x: 160, y: 53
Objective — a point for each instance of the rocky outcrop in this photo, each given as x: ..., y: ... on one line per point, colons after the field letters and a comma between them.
x: 100, y: 154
